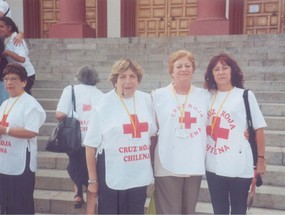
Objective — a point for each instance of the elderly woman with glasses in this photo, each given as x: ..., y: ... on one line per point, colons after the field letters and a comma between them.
x: 21, y: 118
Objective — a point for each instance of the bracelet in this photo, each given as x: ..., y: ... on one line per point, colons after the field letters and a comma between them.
x: 7, y: 130
x: 261, y: 156
x: 92, y: 182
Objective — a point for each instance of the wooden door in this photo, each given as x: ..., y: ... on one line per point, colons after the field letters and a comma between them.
x: 264, y: 17
x: 157, y: 18
x: 50, y: 14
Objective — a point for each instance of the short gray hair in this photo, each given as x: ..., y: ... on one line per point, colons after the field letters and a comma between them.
x: 87, y: 75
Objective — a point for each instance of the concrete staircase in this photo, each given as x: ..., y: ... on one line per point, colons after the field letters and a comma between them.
x: 262, y: 58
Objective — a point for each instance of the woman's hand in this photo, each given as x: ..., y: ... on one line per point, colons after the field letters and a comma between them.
x: 260, y: 166
x: 93, y: 188
x: 18, y: 39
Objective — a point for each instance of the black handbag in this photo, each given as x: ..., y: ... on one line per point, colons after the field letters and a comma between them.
x: 251, y: 131
x: 66, y: 136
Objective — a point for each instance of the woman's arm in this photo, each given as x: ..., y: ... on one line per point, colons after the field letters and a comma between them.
x: 14, y: 55
x: 60, y: 115
x: 17, y: 132
x: 92, y: 172
x: 260, y: 141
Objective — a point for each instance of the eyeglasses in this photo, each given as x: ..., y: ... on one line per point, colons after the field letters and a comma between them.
x: 12, y: 79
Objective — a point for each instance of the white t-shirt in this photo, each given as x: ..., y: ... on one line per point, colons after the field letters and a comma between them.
x: 84, y: 94
x: 228, y: 151
x: 4, y: 7
x: 181, y: 152
x: 21, y: 50
x: 127, y: 157
x: 26, y: 113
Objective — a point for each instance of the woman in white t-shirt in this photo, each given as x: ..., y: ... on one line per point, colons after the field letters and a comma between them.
x: 85, y: 92
x: 16, y: 53
x: 181, y: 110
x: 229, y: 159
x: 21, y: 118
x: 120, y: 130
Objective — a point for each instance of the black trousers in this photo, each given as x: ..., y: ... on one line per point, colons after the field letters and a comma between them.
x: 228, y: 194
x: 77, y: 169
x: 130, y: 201
x: 16, y: 191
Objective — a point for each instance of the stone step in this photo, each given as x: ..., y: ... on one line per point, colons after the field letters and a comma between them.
x: 249, y: 84
x: 58, y: 179
x: 206, y: 208
x: 268, y: 109
x: 271, y: 197
x: 51, y: 160
x: 42, y: 141
x: 273, y: 137
x: 50, y: 202
x: 48, y: 104
x: 55, y: 202
x: 53, y: 179
x: 51, y: 116
x: 262, y: 96
x: 270, y: 96
x: 272, y: 109
x: 273, y: 122
x: 275, y: 155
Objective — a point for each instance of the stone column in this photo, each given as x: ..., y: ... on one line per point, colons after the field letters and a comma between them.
x: 72, y: 21
x: 211, y: 18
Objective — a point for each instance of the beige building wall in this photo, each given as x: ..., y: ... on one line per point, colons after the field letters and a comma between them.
x: 17, y: 12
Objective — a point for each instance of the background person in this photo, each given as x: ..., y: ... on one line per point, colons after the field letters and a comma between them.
x: 120, y: 130
x: 5, y: 10
x: 229, y: 160
x: 21, y: 118
x: 16, y: 53
x: 3, y: 62
x: 84, y: 92
x: 181, y: 110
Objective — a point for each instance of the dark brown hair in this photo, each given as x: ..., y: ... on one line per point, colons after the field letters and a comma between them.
x: 225, y: 59
x: 17, y: 69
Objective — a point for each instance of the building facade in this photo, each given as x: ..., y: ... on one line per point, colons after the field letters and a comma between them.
x: 152, y: 18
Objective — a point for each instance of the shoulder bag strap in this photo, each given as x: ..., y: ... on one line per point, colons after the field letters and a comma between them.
x: 73, y: 99
x: 250, y: 127
x: 7, y: 12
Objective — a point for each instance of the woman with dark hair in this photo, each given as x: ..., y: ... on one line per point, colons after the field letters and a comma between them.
x: 16, y: 53
x: 85, y: 91
x: 3, y: 62
x: 229, y: 160
x: 21, y: 118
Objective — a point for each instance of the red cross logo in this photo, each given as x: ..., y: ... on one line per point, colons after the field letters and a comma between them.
x: 86, y: 107
x: 217, y: 132
x: 3, y: 121
x: 140, y: 127
x: 187, y: 120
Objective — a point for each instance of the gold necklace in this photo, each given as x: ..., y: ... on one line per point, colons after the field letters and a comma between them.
x: 215, y: 119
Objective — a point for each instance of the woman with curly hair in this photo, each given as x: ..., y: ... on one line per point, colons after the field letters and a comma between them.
x: 229, y: 160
